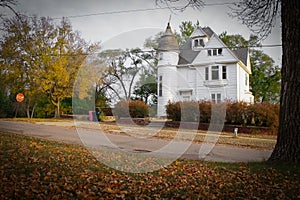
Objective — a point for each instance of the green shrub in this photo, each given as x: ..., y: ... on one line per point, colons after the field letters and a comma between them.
x: 134, y: 109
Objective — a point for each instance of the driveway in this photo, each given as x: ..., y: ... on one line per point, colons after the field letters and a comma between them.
x: 89, y: 134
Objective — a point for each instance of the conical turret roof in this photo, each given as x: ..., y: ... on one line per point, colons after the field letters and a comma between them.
x: 168, y: 41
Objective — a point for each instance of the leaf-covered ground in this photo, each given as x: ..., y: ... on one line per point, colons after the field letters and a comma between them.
x: 32, y: 168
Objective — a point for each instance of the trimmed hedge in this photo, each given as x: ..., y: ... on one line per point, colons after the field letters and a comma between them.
x: 237, y: 113
x: 134, y: 109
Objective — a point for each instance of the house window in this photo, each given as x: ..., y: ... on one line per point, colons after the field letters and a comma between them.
x: 186, y: 98
x: 206, y: 73
x: 224, y: 72
x: 216, y: 98
x: 201, y: 42
x: 215, y: 73
x: 220, y: 51
x: 198, y: 42
x: 209, y: 52
x: 186, y: 95
x: 246, y: 79
x: 214, y: 52
x: 160, y: 86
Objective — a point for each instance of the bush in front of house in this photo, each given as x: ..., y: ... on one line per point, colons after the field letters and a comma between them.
x: 173, y: 111
x: 263, y: 114
x: 205, y: 111
x: 134, y: 109
x: 189, y: 111
x: 237, y: 113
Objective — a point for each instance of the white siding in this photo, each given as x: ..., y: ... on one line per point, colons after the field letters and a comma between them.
x: 213, y: 44
x: 168, y: 71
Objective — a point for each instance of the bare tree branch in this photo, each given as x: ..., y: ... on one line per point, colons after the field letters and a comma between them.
x: 8, y: 4
x: 196, y: 4
x: 259, y: 16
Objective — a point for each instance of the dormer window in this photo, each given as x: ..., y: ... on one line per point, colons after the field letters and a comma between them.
x: 199, y: 42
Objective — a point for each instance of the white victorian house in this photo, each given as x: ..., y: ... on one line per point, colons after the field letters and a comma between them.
x: 203, y: 68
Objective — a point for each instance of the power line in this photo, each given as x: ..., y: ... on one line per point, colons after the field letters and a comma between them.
x: 153, y: 51
x: 138, y: 10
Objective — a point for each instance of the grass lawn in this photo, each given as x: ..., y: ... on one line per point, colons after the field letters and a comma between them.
x: 33, y: 168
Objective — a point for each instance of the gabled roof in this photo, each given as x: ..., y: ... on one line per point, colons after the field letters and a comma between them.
x: 187, y: 54
x: 208, y: 31
x: 242, y: 55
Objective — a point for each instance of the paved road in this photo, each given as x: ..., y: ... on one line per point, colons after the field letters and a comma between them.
x: 90, y: 135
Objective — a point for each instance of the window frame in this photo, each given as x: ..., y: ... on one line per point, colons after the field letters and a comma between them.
x: 209, y: 52
x: 216, y: 97
x: 160, y: 86
x: 206, y: 73
x: 224, y: 72
x: 215, y: 52
x: 215, y: 72
x: 246, y: 79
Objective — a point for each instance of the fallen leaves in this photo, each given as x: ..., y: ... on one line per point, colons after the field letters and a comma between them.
x: 39, y: 169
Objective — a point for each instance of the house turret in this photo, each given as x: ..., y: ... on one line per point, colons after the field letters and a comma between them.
x: 168, y: 56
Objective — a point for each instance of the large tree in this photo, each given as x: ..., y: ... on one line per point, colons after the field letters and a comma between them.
x: 260, y: 17
x: 122, y: 69
x: 65, y: 56
x: 40, y: 57
x: 18, y: 59
x: 265, y: 79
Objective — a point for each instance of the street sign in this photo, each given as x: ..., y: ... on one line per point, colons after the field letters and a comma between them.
x: 20, y: 97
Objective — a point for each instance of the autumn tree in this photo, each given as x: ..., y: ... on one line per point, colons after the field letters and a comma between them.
x: 65, y: 56
x: 18, y: 63
x: 39, y: 57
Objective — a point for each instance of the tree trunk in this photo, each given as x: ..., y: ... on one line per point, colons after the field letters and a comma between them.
x: 17, y: 110
x: 57, y: 108
x: 288, y: 142
x: 33, y: 110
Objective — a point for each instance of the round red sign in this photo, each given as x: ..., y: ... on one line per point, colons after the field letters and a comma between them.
x: 20, y: 97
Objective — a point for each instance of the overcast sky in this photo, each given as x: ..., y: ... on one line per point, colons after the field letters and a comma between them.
x: 129, y: 29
